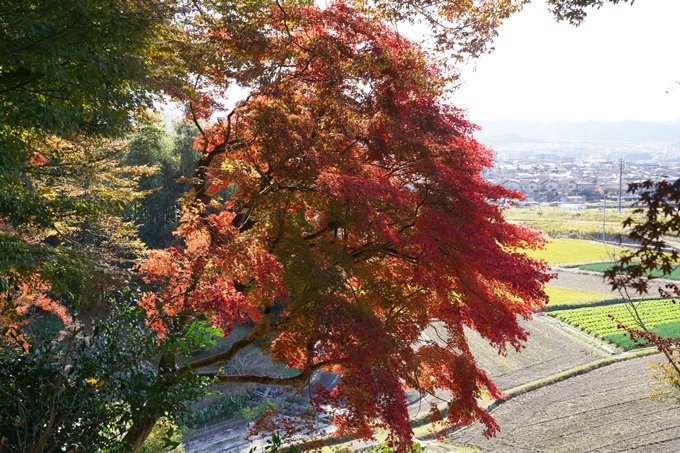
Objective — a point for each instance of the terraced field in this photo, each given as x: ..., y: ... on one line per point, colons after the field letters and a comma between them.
x: 593, y: 282
x: 606, y: 410
x: 556, y: 223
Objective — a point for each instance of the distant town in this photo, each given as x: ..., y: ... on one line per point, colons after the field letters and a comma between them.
x: 575, y: 163
x: 553, y: 179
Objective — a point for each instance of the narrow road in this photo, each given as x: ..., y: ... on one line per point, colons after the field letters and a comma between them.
x: 591, y: 281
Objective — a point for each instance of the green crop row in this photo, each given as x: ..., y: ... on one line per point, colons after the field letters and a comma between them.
x: 660, y: 316
x: 601, y: 267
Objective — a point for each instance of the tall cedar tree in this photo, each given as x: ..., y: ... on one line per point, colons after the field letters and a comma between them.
x: 359, y: 218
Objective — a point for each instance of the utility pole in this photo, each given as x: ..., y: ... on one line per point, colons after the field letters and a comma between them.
x: 604, y: 212
x: 620, y: 181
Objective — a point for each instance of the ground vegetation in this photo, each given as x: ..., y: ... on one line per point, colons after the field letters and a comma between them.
x: 661, y: 317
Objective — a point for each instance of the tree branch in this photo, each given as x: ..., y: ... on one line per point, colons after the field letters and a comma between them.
x: 330, y: 227
x: 49, y: 427
x: 259, y: 332
x: 268, y: 380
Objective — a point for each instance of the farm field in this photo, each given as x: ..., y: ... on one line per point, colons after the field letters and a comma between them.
x: 573, y: 278
x: 548, y: 351
x: 562, y: 298
x: 661, y: 316
x: 573, y: 252
x: 592, y: 214
x: 557, y: 223
x: 582, y: 281
x: 606, y: 410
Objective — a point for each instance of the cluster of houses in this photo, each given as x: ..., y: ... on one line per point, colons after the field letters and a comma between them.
x: 571, y: 181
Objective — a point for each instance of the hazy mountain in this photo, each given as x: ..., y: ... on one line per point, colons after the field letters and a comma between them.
x: 502, y: 139
x: 502, y: 132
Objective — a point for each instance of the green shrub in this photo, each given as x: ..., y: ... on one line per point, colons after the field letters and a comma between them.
x: 251, y: 413
x: 163, y: 438
x: 228, y: 407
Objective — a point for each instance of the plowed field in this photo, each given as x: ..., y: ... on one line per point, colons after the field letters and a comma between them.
x: 548, y: 351
x: 606, y: 410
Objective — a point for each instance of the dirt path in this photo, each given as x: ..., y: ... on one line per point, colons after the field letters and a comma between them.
x: 606, y: 410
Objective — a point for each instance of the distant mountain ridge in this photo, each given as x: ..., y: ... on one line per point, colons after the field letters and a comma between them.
x: 500, y: 132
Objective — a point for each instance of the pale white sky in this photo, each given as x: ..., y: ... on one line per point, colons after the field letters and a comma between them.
x: 616, y: 66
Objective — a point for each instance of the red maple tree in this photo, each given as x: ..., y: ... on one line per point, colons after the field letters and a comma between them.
x: 359, y: 217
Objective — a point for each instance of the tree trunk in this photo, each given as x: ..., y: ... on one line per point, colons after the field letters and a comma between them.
x: 139, y: 431
x: 142, y: 426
